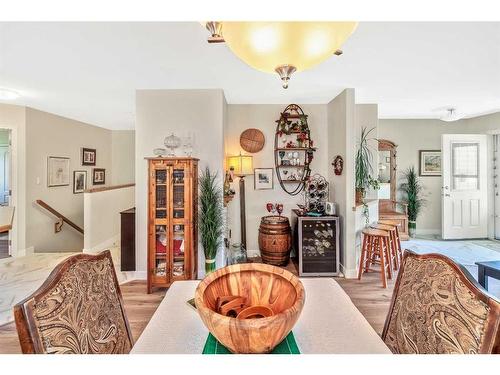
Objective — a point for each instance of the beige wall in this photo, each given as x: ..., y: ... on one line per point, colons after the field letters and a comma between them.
x: 158, y: 114
x: 263, y: 117
x: 414, y: 135
x: 123, y: 156
x: 51, y: 135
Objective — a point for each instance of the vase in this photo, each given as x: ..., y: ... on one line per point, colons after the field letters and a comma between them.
x: 360, y: 193
x: 412, y: 228
x: 209, y: 266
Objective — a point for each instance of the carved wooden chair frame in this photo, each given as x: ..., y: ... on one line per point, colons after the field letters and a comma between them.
x: 491, y: 341
x: 29, y: 336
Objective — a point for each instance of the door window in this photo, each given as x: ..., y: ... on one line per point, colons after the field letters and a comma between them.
x: 465, y: 166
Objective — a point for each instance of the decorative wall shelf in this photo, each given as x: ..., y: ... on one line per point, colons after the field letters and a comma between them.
x: 293, y: 137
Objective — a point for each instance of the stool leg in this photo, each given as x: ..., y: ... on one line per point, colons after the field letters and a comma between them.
x: 394, y: 250
x: 370, y: 253
x: 400, y: 250
x: 382, y: 262
x: 363, y: 256
x: 387, y: 252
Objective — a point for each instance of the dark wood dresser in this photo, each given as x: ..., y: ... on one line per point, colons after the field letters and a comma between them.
x: 128, y: 240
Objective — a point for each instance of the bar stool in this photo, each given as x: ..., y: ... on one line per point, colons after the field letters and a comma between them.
x: 396, y: 224
x: 393, y: 247
x: 375, y: 250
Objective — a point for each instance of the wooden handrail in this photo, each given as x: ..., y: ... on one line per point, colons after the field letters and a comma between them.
x: 62, y: 219
x: 106, y: 188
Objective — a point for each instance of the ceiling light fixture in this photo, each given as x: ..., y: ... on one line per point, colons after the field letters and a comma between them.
x: 451, y: 115
x: 6, y: 94
x: 282, y: 47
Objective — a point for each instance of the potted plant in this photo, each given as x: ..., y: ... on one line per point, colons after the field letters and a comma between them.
x: 211, y: 217
x: 364, y: 169
x: 413, y: 196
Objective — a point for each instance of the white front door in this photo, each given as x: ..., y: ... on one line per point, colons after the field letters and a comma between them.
x: 465, y: 189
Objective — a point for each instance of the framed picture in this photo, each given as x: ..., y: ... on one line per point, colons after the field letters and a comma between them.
x: 430, y: 162
x: 57, y: 171
x: 79, y: 181
x: 88, y: 156
x: 263, y: 178
x: 98, y: 176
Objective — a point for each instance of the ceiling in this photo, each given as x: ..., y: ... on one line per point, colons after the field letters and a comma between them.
x: 90, y: 71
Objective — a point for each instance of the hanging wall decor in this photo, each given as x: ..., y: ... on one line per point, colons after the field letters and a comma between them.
x: 293, y: 149
x: 338, y: 165
x: 252, y: 140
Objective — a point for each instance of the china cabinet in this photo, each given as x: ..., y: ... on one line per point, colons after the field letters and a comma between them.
x: 172, y: 220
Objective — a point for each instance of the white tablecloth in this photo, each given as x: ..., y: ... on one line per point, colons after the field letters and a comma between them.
x: 329, y: 323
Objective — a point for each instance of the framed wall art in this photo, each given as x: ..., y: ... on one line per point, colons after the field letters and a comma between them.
x: 430, y: 162
x: 98, y: 176
x: 79, y: 181
x: 88, y: 156
x: 263, y: 178
x: 57, y: 171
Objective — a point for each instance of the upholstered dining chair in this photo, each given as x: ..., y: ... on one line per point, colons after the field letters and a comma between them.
x: 77, y: 310
x: 438, y: 308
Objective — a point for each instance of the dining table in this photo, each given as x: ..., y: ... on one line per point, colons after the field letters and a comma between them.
x: 329, y: 323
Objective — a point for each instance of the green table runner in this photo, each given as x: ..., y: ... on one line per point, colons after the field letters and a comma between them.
x: 287, y: 346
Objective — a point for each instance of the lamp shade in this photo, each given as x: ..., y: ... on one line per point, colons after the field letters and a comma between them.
x: 266, y: 46
x: 241, y: 164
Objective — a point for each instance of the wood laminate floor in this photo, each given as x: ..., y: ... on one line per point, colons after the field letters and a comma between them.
x: 368, y: 296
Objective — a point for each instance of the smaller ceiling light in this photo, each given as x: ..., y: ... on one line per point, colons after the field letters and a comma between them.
x: 6, y: 94
x: 215, y: 30
x: 451, y: 115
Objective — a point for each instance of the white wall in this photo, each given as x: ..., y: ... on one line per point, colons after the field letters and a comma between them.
x: 342, y: 141
x: 158, y: 114
x: 263, y: 117
x: 123, y: 156
x: 414, y: 135
x: 102, y: 218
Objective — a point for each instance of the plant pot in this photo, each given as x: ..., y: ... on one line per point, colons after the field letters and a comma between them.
x: 209, y: 266
x: 360, y: 194
x: 412, y: 228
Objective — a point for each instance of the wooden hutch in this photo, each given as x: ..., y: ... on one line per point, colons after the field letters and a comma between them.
x: 172, y: 220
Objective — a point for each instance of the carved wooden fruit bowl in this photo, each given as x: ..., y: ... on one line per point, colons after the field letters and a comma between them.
x: 264, y: 288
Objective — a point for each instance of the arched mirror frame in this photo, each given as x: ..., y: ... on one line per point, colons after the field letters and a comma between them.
x: 386, y: 145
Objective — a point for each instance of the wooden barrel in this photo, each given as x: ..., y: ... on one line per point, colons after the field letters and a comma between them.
x: 275, y: 240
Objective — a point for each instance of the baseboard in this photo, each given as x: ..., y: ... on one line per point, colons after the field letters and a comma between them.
x: 428, y: 231
x: 110, y: 242
x: 23, y: 252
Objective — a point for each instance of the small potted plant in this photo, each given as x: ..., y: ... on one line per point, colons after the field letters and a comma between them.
x: 364, y: 169
x: 211, y: 217
x: 413, y: 196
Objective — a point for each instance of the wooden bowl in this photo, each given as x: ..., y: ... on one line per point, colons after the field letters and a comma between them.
x: 261, y: 284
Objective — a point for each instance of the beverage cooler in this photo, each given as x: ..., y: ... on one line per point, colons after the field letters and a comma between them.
x: 316, y: 241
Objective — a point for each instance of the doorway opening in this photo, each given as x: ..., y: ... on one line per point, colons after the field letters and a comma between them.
x: 5, y: 185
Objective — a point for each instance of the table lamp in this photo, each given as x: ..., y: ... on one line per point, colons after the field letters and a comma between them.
x: 241, y: 165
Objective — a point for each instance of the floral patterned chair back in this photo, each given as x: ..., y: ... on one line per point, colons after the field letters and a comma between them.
x: 437, y: 308
x: 78, y: 310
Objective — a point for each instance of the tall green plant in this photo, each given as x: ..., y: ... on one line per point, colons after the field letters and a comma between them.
x: 413, y: 192
x: 211, y: 217
x: 364, y: 158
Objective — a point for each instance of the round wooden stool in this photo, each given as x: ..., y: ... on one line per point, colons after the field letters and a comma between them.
x: 375, y: 250
x: 393, y: 247
x: 396, y: 224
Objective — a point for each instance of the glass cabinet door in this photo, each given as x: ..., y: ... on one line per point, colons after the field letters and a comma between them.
x: 161, y: 193
x: 178, y: 254
x: 178, y: 193
x: 161, y: 251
